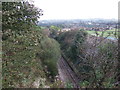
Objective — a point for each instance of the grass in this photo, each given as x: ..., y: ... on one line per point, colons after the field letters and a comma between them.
x: 106, y: 33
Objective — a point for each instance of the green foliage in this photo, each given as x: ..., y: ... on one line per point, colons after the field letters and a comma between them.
x: 58, y: 84
x: 109, y: 83
x: 23, y: 12
x: 19, y: 60
x: 69, y: 85
x: 24, y: 56
x: 50, y: 54
x: 108, y: 49
x: 104, y: 65
x: 95, y: 65
x: 54, y: 27
x: 107, y: 64
x: 25, y: 48
x: 71, y: 42
x: 18, y: 16
x: 84, y: 84
x: 111, y: 33
x: 54, y: 31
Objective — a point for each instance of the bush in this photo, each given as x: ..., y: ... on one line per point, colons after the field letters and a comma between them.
x: 72, y: 43
x: 50, y: 54
x: 21, y: 64
x: 23, y: 42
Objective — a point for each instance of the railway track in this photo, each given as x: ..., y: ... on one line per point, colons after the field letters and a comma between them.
x: 70, y: 74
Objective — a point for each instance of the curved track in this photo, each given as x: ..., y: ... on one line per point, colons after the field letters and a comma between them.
x: 67, y: 74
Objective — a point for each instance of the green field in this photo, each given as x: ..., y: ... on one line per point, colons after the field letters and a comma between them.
x: 110, y: 33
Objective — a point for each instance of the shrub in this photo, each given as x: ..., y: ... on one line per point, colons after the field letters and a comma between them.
x: 21, y: 65
x: 71, y: 42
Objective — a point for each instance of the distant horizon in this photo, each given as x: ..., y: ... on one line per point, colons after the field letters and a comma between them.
x: 41, y: 18
x: 81, y: 19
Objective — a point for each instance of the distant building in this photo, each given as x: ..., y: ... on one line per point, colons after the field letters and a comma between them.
x: 65, y: 29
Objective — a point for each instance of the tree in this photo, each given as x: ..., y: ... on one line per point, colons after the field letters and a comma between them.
x: 26, y: 50
x: 54, y: 31
x: 18, y: 16
x: 94, y: 58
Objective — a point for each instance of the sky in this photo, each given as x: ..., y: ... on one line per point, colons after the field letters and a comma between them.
x: 78, y: 9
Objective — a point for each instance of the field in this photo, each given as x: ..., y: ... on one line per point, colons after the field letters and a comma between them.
x: 110, y: 33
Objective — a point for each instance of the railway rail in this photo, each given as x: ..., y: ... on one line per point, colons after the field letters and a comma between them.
x: 68, y: 71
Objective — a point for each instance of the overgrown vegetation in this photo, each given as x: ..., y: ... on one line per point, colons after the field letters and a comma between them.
x: 28, y: 54
x: 94, y: 59
x: 70, y: 42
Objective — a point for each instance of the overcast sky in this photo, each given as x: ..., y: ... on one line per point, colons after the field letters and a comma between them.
x: 78, y: 9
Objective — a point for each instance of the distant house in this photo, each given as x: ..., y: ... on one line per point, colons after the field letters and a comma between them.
x: 65, y: 29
